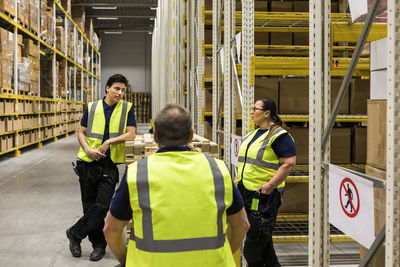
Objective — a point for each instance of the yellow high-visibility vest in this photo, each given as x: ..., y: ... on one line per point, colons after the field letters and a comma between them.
x: 179, y: 202
x: 96, y: 125
x: 261, y: 162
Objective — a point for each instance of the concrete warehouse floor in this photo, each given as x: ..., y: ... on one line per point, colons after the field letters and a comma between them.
x: 40, y: 199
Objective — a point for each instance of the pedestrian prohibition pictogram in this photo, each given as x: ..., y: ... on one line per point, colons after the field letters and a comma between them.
x: 236, y: 147
x: 349, y: 197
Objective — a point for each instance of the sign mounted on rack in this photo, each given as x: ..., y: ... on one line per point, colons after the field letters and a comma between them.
x: 351, y: 205
x: 235, y: 146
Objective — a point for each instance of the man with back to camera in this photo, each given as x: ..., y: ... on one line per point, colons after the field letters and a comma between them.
x: 105, y: 126
x: 181, y: 203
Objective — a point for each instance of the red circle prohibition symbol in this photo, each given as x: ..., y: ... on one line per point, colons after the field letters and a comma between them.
x: 350, y: 200
x: 236, y: 148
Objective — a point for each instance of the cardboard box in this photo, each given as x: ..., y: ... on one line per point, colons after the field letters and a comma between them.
x: 378, y: 85
x: 66, y: 4
x: 78, y: 15
x: 359, y: 94
x: 281, y: 6
x: 301, y: 6
x: 281, y: 38
x: 3, y: 143
x: 8, y: 5
x: 335, y: 87
x: 266, y: 88
x: 30, y: 48
x: 295, y: 198
x: 261, y: 38
x: 2, y: 124
x: 1, y: 107
x: 9, y: 107
x: 300, y: 38
x: 89, y: 30
x: 376, y: 134
x: 340, y: 145
x: 60, y: 38
x: 294, y: 96
x: 17, y: 123
x: 34, y: 15
x: 359, y: 145
x: 23, y: 11
x: 208, y: 67
x: 300, y: 136
x: 9, y: 124
x: 378, y: 259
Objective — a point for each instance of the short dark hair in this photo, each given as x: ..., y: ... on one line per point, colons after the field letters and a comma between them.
x: 116, y: 78
x: 173, y: 125
x: 269, y: 104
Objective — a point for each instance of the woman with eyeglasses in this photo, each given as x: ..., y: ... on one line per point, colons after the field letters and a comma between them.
x: 266, y: 157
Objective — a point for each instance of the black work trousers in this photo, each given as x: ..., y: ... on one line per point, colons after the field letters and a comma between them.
x: 258, y: 247
x: 97, y: 182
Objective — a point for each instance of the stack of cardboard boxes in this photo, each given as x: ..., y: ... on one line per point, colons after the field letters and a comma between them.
x: 144, y: 145
x: 7, y: 58
x: 376, y: 139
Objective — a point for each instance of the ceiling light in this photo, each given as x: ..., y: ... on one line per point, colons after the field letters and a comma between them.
x: 105, y: 7
x: 107, y: 18
x: 113, y: 32
x: 151, y: 18
x: 153, y: 8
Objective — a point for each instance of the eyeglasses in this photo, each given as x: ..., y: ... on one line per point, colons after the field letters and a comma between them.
x: 253, y: 109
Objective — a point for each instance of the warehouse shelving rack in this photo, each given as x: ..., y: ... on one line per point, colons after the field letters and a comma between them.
x: 47, y: 47
x: 340, y: 32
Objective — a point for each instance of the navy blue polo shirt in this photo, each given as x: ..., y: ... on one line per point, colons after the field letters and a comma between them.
x: 120, y: 206
x: 108, y: 110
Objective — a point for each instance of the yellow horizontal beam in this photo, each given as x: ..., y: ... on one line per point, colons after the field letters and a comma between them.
x: 339, y: 118
x: 305, y: 118
x: 292, y: 217
x: 343, y: 32
x: 294, y: 50
x: 262, y: 16
x: 296, y: 179
x: 37, y: 98
x: 300, y: 66
x: 304, y: 238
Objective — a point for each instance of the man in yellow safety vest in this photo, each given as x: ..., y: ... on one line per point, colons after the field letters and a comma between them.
x: 185, y: 208
x: 105, y: 126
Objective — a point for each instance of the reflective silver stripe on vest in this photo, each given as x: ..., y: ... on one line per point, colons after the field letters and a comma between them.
x: 260, y: 152
x: 247, y: 136
x: 177, y: 245
x: 264, y: 164
x: 258, y: 161
x: 89, y: 132
x: 122, y: 121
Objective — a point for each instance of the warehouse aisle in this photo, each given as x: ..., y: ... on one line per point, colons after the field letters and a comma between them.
x: 40, y: 199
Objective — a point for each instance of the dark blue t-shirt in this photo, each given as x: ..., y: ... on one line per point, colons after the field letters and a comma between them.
x: 108, y: 110
x: 120, y: 206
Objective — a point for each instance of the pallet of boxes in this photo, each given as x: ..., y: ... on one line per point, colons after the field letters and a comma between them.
x: 144, y: 145
x: 376, y: 141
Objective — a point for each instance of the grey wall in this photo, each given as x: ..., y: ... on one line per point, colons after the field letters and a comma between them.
x: 128, y: 54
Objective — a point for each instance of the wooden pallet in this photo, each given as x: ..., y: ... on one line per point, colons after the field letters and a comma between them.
x: 10, y: 13
x: 7, y: 91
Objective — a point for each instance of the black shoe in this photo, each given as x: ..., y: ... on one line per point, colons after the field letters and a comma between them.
x: 74, y: 245
x: 97, y: 254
